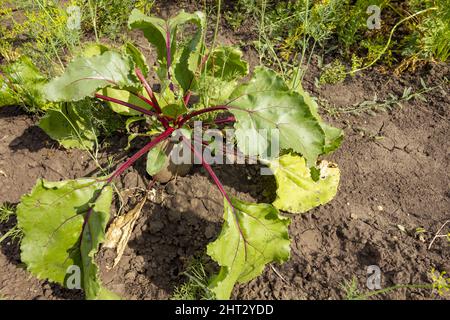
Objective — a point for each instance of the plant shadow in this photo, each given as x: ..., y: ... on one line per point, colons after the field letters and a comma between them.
x: 33, y: 139
x: 244, y: 178
x: 162, y: 246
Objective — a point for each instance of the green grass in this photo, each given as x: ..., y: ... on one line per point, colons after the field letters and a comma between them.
x: 196, y: 286
x: 108, y: 18
x: 439, y: 286
x: 7, y: 211
x: 410, y: 31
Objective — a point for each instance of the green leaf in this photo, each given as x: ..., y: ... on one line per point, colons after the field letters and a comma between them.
x: 67, y: 124
x: 226, y: 63
x: 83, y: 77
x: 156, y: 160
x: 92, y: 237
x: 266, y: 103
x: 297, y: 191
x: 174, y: 110
x: 252, y: 236
x: 22, y: 82
x: 189, y: 60
x: 7, y: 95
x: 215, y: 91
x: 224, y: 68
x: 52, y: 217
x: 138, y: 58
x: 156, y: 31
x: 333, y: 136
x: 170, y: 104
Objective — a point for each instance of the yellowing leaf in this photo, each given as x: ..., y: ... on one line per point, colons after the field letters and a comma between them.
x: 297, y: 191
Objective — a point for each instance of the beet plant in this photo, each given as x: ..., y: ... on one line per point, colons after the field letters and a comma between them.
x: 64, y: 222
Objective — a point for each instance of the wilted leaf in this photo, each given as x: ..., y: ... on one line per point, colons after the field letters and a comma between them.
x: 297, y: 191
x: 119, y: 232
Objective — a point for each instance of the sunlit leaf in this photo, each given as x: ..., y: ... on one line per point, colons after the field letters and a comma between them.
x: 251, y: 237
x: 297, y: 191
x: 126, y: 96
x: 21, y: 82
x: 69, y: 125
x: 226, y: 63
x: 137, y: 57
x: 333, y: 136
x: 156, y: 160
x: 157, y: 30
x: 52, y: 217
x: 83, y: 77
x: 266, y: 103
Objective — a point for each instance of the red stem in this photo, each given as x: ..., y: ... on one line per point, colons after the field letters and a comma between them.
x: 126, y: 104
x: 169, y: 57
x: 187, y: 97
x: 208, y: 168
x: 219, y: 185
x: 199, y: 112
x: 124, y: 167
x: 163, y: 136
x: 154, y: 103
x: 140, y: 96
x: 148, y: 89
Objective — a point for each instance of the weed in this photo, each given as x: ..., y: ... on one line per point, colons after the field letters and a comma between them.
x: 15, y: 234
x: 43, y: 34
x: 376, y: 105
x: 440, y: 285
x: 351, y: 290
x: 7, y: 210
x: 196, y: 286
x: 333, y: 73
x: 108, y: 18
x: 430, y: 36
x: 441, y: 282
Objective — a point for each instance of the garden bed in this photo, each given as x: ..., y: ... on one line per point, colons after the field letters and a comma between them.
x: 395, y: 173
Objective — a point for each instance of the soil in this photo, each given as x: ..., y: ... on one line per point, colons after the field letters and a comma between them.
x: 395, y: 169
